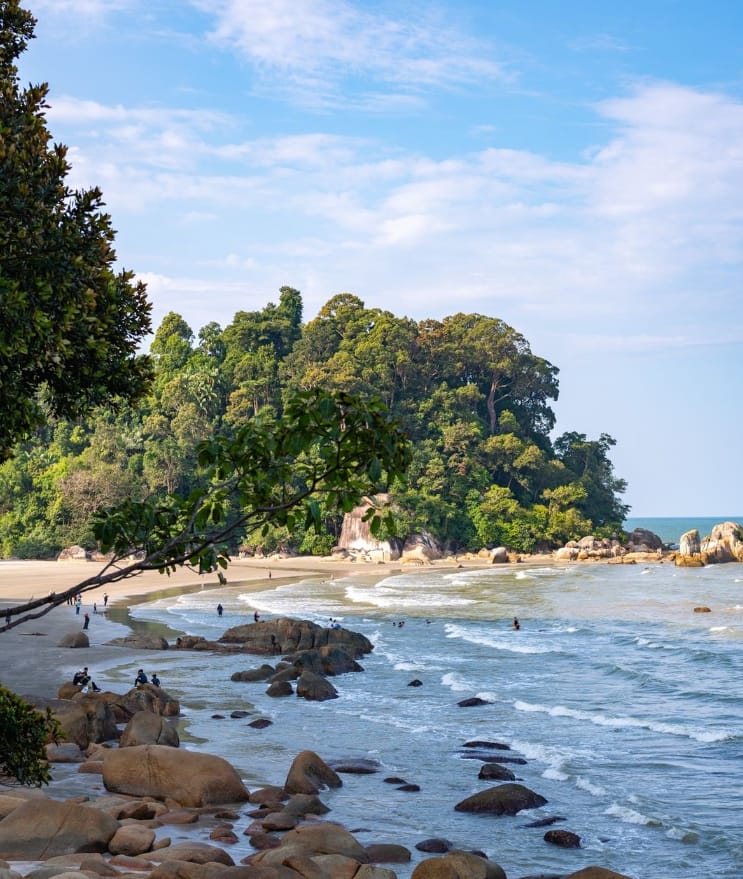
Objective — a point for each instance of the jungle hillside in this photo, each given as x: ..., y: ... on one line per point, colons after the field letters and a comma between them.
x: 488, y: 468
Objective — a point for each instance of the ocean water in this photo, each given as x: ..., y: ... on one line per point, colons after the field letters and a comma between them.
x: 625, y: 705
x: 670, y: 528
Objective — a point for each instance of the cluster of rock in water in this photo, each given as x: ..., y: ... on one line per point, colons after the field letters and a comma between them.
x: 152, y: 784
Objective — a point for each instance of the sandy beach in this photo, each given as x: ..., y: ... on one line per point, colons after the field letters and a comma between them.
x: 32, y: 662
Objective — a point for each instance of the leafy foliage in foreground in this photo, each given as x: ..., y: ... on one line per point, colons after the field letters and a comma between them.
x: 69, y: 325
x: 24, y: 732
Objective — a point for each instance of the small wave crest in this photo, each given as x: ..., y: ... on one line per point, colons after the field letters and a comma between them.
x: 631, y: 816
x: 455, y: 682
x: 511, y: 642
x: 607, y: 720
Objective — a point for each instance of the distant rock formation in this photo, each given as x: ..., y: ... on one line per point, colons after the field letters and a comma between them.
x: 73, y: 554
x: 690, y: 543
x: 421, y: 548
x: 356, y: 537
x: 642, y: 540
x: 724, y: 544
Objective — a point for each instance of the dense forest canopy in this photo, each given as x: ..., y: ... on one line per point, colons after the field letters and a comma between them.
x: 471, y: 395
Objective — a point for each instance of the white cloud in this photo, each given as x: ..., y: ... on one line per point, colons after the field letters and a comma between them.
x: 643, y: 228
x: 316, y: 49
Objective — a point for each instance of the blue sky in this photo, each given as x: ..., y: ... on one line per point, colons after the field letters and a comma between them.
x: 574, y: 168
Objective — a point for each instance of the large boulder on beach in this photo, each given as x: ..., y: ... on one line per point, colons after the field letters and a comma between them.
x: 315, y: 688
x: 724, y: 544
x: 192, y: 852
x: 84, y: 720
x: 190, y: 778
x: 643, y: 540
x: 458, y: 865
x: 141, y: 641
x: 43, y: 828
x: 593, y: 872
x: 286, y: 635
x: 146, y: 697
x: 421, y: 547
x: 132, y: 839
x: 326, y: 838
x: 505, y: 799
x: 74, y: 640
x: 149, y: 729
x: 309, y: 774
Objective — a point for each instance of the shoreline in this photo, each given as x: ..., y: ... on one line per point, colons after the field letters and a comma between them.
x: 34, y: 664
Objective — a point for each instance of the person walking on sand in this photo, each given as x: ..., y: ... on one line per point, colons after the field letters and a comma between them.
x: 87, y: 621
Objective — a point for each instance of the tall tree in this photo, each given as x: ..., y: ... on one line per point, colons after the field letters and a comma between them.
x: 69, y: 325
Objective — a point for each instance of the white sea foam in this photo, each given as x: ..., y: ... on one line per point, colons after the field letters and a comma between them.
x: 596, y: 790
x: 552, y: 757
x: 555, y: 774
x: 631, y: 816
x: 600, y: 719
x: 511, y: 642
x: 394, y: 599
x: 455, y: 682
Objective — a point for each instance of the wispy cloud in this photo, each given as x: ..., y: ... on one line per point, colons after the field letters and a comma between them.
x: 630, y: 233
x: 319, y: 51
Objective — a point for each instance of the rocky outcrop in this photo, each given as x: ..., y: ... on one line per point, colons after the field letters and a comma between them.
x: 309, y: 774
x: 499, y: 555
x: 642, y: 540
x: 147, y: 697
x: 596, y: 873
x: 74, y: 640
x: 724, y: 544
x: 506, y: 799
x: 458, y: 865
x: 315, y: 688
x: 190, y: 778
x: 42, y: 828
x: 74, y: 554
x: 690, y: 543
x: 141, y: 642
x: 285, y: 635
x: 85, y: 719
x: 356, y: 539
x: 421, y: 548
x: 149, y: 729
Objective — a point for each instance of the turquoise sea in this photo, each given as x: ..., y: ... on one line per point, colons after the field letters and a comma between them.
x: 670, y: 528
x: 622, y: 706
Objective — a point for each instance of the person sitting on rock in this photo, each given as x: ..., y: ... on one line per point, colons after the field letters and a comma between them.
x: 154, y: 679
x: 81, y: 678
x: 140, y: 679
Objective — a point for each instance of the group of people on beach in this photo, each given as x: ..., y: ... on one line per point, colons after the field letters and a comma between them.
x: 142, y: 679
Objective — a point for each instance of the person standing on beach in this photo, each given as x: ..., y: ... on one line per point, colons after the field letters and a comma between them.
x: 105, y: 599
x: 219, y: 610
x: 78, y: 605
x: 87, y: 621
